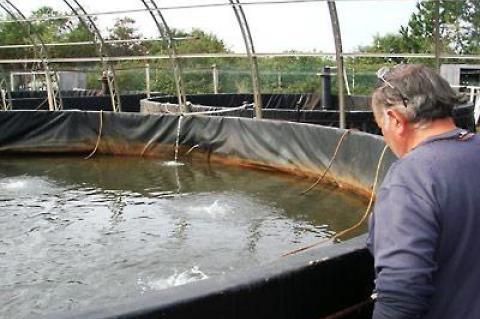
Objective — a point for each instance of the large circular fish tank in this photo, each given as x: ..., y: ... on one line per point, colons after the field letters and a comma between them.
x: 169, y: 210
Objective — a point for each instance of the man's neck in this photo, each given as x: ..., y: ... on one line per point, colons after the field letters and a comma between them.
x: 433, y: 128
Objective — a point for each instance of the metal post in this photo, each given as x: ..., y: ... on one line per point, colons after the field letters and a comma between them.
x: 215, y: 78
x: 147, y: 80
x: 326, y: 88
x: 476, y: 110
x: 51, y: 104
x: 345, y: 78
x: 247, y: 38
x: 165, y: 32
x: 437, y: 34
x: 338, y: 54
x: 4, y: 100
x: 9, y: 97
x: 353, y: 81
x: 12, y: 82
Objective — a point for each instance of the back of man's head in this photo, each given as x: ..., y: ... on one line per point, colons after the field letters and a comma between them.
x: 416, y: 90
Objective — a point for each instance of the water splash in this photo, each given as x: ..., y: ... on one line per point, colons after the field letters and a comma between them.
x: 177, y: 279
x: 27, y: 185
x: 216, y: 209
x: 13, y: 185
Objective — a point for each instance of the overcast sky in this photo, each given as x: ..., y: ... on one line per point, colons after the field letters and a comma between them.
x: 275, y: 28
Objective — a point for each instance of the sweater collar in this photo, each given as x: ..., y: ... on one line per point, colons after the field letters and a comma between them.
x: 455, y: 133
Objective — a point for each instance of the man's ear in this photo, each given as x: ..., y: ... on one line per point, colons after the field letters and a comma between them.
x: 397, y: 120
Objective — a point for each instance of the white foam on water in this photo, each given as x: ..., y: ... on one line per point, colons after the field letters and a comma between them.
x: 177, y: 279
x: 26, y: 185
x: 13, y: 185
x: 214, y: 210
x: 172, y: 163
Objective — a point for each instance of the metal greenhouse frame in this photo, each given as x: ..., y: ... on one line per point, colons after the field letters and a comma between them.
x: 155, y: 11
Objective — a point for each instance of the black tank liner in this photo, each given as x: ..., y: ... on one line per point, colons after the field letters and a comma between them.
x: 89, y: 100
x: 304, y: 108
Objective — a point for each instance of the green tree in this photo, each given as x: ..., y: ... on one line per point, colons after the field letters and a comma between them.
x: 125, y: 29
x: 10, y: 34
x: 76, y: 32
x: 459, y: 29
x: 472, y: 28
x: 419, y: 33
x: 197, y: 72
x: 49, y: 30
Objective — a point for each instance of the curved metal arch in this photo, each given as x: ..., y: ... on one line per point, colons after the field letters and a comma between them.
x: 247, y: 38
x: 165, y: 33
x: 339, y: 59
x: 53, y: 92
x: 102, y: 51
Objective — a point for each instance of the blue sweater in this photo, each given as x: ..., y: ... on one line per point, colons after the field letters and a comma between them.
x: 425, y: 232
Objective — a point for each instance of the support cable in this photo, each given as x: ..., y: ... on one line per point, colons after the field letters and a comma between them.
x: 320, y: 179
x: 358, y: 224
x: 41, y: 104
x: 99, y: 136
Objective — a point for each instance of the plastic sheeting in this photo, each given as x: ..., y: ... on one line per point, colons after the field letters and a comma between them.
x: 76, y: 100
x: 304, y: 108
x: 302, y: 101
x: 291, y: 147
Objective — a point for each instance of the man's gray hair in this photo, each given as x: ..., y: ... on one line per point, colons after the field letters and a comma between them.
x: 418, y: 91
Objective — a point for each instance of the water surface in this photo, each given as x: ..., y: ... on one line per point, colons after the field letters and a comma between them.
x: 80, y: 233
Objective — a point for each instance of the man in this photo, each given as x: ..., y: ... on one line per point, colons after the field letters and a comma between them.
x: 425, y: 229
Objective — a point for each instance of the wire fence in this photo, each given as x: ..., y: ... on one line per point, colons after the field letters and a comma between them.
x: 206, y: 71
x: 200, y: 80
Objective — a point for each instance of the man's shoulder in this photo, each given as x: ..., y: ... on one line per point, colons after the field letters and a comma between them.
x: 415, y: 162
x: 442, y: 152
x: 436, y: 161
x: 417, y: 167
